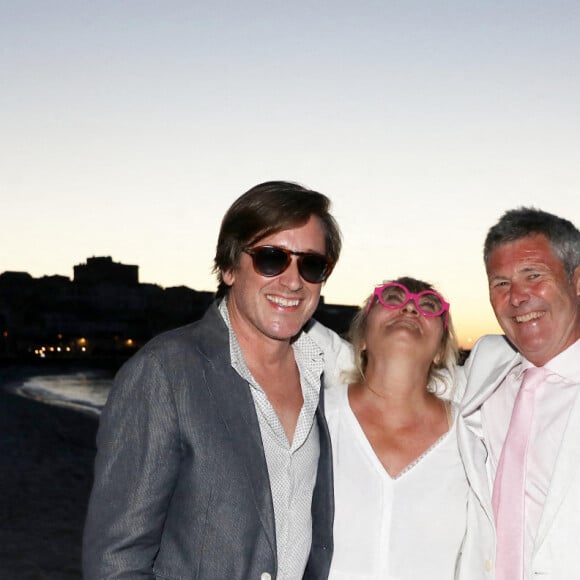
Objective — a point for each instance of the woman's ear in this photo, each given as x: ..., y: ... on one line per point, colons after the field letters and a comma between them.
x: 439, y: 358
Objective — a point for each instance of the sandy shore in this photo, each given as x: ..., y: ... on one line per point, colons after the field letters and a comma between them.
x: 46, y: 456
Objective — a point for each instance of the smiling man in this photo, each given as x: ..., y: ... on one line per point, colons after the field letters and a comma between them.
x: 519, y: 429
x: 213, y: 452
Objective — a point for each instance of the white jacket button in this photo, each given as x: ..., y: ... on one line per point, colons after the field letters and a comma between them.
x: 488, y: 565
x: 265, y: 576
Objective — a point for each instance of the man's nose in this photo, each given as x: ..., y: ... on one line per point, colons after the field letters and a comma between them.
x: 518, y: 293
x: 291, y: 277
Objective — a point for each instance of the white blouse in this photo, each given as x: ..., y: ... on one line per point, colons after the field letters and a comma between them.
x: 405, y: 528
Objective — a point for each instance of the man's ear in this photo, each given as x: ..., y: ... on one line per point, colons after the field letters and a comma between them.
x: 228, y: 276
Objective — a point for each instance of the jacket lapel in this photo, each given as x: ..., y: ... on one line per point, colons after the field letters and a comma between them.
x: 565, y: 471
x: 233, y: 400
x: 482, y: 380
x: 474, y: 454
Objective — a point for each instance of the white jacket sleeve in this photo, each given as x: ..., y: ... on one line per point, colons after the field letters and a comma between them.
x: 338, y: 355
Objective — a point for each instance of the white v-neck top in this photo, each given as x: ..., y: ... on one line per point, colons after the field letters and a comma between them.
x: 405, y: 528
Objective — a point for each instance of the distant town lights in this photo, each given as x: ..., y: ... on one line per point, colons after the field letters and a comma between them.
x: 46, y: 350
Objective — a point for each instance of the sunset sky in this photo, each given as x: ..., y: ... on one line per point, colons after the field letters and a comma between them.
x: 128, y: 127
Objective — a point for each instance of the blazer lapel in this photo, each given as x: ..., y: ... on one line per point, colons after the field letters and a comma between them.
x: 474, y: 455
x: 233, y: 399
x: 565, y: 471
x: 481, y: 383
x: 482, y: 380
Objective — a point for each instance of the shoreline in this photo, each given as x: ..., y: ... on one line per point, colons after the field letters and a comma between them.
x: 35, y: 382
x: 46, y: 471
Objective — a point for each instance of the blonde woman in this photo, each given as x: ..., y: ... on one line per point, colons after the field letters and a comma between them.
x: 400, y: 488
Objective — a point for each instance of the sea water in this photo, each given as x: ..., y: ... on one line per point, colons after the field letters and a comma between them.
x: 85, y: 390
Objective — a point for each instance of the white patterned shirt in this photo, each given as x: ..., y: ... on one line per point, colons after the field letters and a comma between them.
x: 292, y: 467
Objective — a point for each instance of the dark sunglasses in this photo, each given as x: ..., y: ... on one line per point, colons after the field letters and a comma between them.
x: 271, y: 261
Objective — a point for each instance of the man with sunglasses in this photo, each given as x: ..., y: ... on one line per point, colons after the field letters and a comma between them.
x: 213, y: 452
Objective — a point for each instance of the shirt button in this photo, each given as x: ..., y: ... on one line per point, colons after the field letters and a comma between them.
x: 488, y: 565
x: 265, y: 576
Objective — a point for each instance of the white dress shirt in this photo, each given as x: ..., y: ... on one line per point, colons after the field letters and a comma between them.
x: 292, y: 466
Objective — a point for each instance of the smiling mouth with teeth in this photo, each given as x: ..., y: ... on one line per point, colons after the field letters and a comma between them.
x: 529, y: 316
x: 283, y: 301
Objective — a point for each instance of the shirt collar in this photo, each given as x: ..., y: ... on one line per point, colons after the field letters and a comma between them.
x: 565, y: 364
x: 309, y: 357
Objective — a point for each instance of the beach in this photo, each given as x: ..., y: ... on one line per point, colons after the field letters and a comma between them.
x: 46, y: 469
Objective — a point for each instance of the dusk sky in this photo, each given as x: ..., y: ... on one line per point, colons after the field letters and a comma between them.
x: 128, y: 127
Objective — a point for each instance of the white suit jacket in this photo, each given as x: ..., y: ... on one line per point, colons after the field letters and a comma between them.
x: 556, y: 553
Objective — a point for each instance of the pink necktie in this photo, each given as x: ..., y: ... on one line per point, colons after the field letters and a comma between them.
x: 510, y: 479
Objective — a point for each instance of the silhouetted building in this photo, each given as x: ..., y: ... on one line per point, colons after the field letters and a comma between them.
x: 335, y: 316
x: 104, y: 311
x: 103, y: 269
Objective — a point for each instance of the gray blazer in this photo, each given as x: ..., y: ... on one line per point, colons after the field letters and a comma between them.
x: 181, y: 484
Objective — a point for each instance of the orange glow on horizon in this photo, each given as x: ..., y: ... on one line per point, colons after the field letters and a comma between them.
x: 469, y: 332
